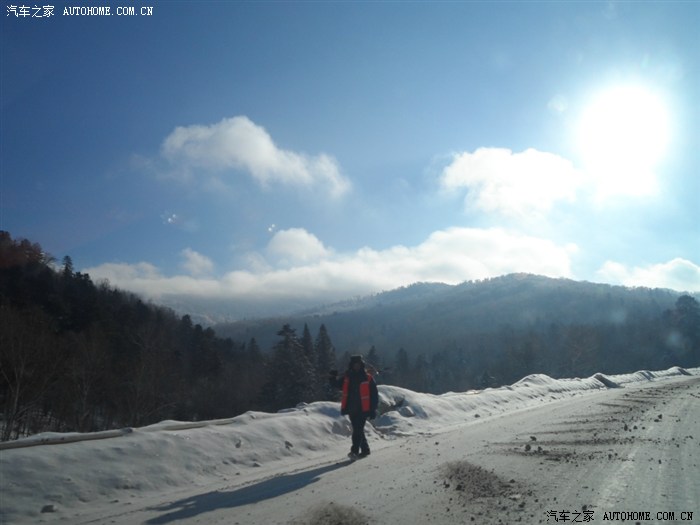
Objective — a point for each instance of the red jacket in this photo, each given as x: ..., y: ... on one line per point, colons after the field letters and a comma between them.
x: 369, y: 396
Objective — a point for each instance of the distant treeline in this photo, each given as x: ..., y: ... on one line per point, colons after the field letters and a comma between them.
x: 80, y: 356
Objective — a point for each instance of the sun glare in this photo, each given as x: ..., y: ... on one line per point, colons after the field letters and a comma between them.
x: 622, y: 136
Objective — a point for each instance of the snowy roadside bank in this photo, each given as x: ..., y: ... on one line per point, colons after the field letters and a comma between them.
x: 80, y: 471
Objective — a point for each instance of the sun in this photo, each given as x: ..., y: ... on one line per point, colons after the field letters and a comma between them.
x: 623, y: 134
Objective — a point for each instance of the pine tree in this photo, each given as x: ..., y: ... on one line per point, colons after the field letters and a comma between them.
x: 309, y: 349
x: 373, y: 359
x: 307, y: 344
x: 326, y: 361
x: 289, y: 373
x: 67, y: 266
x: 402, y: 367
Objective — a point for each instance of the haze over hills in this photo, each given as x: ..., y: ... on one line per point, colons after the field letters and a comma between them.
x: 513, y: 292
x: 212, y: 311
x: 480, y: 317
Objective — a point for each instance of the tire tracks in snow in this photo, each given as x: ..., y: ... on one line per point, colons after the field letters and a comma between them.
x: 636, y: 449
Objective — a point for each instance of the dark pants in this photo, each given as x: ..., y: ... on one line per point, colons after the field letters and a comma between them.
x: 359, y: 441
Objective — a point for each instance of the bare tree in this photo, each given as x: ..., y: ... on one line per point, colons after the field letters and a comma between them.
x: 28, y: 366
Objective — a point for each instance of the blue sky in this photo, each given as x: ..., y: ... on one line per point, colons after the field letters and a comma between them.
x: 315, y: 151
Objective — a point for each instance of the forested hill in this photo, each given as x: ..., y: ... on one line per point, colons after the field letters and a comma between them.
x: 514, y: 300
x: 76, y: 356
x: 535, y: 321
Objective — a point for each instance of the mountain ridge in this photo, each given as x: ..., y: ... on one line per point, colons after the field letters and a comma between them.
x: 409, y: 317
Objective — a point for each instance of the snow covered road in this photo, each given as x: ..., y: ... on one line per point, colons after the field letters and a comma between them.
x: 616, y: 455
x: 632, y: 450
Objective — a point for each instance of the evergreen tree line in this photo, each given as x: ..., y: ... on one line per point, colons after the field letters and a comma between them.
x: 76, y: 356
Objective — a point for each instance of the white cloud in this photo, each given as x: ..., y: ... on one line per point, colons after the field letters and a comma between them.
x: 121, y: 272
x: 238, y: 143
x: 296, y: 245
x: 676, y: 274
x: 513, y: 184
x: 196, y: 263
x: 313, y: 273
x: 146, y: 279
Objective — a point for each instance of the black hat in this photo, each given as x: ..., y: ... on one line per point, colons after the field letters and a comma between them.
x: 356, y: 359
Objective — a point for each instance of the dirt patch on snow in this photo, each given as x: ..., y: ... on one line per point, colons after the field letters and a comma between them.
x: 333, y: 514
x: 472, y: 481
x: 482, y: 496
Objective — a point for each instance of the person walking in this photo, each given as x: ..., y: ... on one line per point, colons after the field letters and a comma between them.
x: 359, y: 401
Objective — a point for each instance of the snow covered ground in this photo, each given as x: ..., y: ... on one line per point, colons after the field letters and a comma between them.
x: 525, y: 452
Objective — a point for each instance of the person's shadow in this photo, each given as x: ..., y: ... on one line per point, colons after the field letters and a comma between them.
x: 270, y: 488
